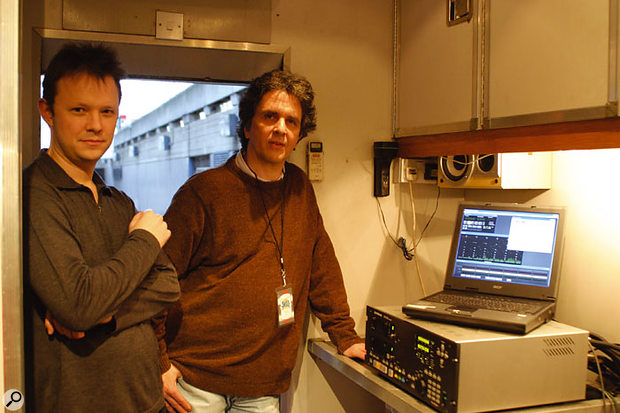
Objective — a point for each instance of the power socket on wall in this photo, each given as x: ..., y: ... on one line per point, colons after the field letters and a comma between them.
x: 414, y: 170
x: 404, y: 171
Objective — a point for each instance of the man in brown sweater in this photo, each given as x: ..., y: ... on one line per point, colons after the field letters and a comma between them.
x: 251, y: 251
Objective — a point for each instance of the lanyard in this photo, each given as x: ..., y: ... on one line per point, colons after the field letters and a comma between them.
x: 279, y: 245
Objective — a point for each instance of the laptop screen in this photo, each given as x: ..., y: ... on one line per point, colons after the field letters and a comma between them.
x: 506, y: 246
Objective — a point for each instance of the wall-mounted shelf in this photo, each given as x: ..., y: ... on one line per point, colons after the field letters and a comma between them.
x: 588, y: 134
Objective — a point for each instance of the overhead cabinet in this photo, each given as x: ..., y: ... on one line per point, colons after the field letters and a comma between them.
x: 435, y: 71
x: 515, y: 63
x: 550, y: 57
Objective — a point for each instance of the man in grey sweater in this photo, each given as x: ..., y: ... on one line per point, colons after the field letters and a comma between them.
x: 94, y: 270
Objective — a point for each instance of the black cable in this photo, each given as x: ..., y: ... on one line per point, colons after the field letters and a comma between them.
x: 602, y: 343
x: 608, y: 356
x: 401, y: 243
x: 596, y: 336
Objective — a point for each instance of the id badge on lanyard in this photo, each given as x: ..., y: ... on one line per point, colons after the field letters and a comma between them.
x: 284, y: 301
x: 286, y: 312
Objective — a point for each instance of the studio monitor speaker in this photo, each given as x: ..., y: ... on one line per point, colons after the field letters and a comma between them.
x: 496, y: 170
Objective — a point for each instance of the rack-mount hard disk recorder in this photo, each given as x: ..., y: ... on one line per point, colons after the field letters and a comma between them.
x: 460, y: 369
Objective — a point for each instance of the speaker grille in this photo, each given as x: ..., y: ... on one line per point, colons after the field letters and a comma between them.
x: 456, y: 168
x: 486, y: 162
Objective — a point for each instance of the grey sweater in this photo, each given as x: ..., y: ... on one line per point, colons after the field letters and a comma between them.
x: 81, y: 264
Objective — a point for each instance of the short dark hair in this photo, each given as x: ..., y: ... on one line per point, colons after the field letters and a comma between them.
x: 73, y: 58
x: 293, y: 84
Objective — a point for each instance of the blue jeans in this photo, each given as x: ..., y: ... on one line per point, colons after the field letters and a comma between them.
x: 207, y: 402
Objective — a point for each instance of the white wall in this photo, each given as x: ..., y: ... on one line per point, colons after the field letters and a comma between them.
x: 586, y: 181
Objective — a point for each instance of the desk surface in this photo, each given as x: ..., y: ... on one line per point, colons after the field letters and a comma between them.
x: 402, y: 402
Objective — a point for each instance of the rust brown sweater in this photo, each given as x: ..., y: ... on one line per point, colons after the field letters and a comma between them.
x: 223, y: 335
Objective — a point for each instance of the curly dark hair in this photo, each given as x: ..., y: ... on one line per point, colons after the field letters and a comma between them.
x: 73, y: 58
x: 292, y: 84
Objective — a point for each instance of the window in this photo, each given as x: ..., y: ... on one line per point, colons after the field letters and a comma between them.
x: 166, y: 132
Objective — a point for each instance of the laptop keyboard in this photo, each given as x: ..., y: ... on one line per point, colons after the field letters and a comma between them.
x: 486, y: 302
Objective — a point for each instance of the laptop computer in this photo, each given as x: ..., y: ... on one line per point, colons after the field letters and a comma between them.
x: 506, y: 254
